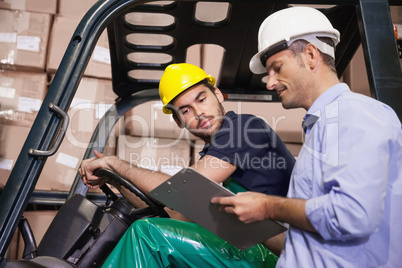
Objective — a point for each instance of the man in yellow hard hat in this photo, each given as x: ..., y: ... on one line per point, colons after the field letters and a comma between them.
x: 238, y: 149
x: 344, y: 201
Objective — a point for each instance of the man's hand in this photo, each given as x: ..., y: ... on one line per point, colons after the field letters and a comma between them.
x: 251, y: 207
x: 248, y: 206
x: 88, y: 166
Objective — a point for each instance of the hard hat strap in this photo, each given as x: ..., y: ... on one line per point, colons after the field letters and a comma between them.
x: 311, y: 38
x: 322, y: 46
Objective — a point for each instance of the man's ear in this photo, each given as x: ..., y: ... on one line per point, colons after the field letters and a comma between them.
x: 312, y: 55
x: 178, y: 120
x: 219, y: 95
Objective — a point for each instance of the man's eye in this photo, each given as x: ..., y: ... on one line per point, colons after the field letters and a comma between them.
x: 184, y: 111
x: 277, y: 68
x: 202, y: 99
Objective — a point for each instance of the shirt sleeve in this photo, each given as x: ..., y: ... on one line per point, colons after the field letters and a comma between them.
x: 354, y: 172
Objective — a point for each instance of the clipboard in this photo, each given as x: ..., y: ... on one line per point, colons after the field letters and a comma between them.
x: 190, y: 193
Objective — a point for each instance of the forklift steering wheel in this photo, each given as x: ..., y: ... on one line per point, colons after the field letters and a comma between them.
x: 153, y: 205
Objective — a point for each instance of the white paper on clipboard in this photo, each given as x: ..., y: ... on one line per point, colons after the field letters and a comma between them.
x: 190, y: 193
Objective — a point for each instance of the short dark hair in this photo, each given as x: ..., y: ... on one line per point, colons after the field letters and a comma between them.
x: 206, y: 83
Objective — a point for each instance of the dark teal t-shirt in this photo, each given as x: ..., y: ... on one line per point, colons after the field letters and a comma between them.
x: 263, y: 162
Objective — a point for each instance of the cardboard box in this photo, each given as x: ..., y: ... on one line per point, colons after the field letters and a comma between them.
x: 294, y: 148
x: 76, y: 8
x: 23, y: 40
x: 91, y: 101
x: 40, y: 6
x: 157, y: 154
x: 148, y: 119
x: 396, y: 14
x: 21, y: 96
x: 12, y: 250
x: 355, y: 74
x: 208, y: 57
x: 39, y: 222
x: 12, y: 138
x: 286, y: 123
x: 60, y: 169
x: 62, y: 31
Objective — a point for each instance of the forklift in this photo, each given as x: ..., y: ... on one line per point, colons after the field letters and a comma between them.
x: 84, y: 233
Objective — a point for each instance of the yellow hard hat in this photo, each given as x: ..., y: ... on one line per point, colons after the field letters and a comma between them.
x: 177, y: 78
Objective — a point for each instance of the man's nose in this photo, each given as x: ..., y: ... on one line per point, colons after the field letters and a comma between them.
x: 271, y: 82
x: 198, y: 112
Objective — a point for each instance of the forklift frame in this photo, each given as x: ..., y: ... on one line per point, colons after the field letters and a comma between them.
x: 366, y: 22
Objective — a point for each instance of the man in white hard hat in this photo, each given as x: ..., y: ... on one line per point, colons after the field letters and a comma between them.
x: 344, y: 201
x: 238, y: 148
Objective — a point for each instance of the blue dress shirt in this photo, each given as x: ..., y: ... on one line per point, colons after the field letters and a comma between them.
x: 350, y: 170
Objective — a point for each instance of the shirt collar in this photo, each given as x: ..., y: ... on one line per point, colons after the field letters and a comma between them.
x: 325, y: 98
x: 314, y: 113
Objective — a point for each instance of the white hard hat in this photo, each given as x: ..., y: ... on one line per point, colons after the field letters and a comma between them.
x: 285, y: 26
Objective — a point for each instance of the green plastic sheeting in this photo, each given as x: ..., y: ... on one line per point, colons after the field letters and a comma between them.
x: 162, y: 242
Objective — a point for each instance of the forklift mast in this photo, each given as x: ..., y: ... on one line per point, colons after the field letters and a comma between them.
x: 360, y: 22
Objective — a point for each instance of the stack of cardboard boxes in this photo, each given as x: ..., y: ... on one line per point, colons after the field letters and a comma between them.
x: 24, y: 33
x: 34, y: 35
x: 152, y: 140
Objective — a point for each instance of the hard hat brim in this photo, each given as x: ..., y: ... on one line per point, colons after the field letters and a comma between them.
x: 264, y: 55
x: 255, y: 64
x: 211, y: 80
